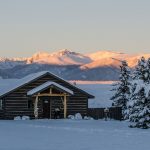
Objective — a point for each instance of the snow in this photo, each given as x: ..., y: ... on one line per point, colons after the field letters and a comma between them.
x: 102, y: 54
x: 101, y: 90
x: 139, y: 85
x: 101, y: 63
x: 48, y: 84
x: 11, y: 84
x: 71, y: 135
x: 104, y: 58
x: 22, y: 118
x: 25, y: 118
x: 67, y: 57
x: 17, y: 118
x: 71, y: 117
x: 61, y: 57
x: 102, y: 93
x: 78, y: 116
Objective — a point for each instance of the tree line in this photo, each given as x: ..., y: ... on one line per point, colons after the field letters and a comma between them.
x: 132, y: 93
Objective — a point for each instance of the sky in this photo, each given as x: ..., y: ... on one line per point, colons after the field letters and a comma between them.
x: 28, y: 26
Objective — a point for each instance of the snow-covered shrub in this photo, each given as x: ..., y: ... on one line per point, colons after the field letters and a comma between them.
x: 22, y: 118
x: 78, y: 116
x: 25, y: 118
x: 71, y: 117
x: 17, y: 118
x: 88, y: 118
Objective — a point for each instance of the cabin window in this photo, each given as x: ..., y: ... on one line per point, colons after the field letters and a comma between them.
x: 30, y: 103
x: 1, y: 104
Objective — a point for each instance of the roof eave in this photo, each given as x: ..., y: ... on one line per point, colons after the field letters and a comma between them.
x: 48, y: 73
x: 91, y: 97
x: 48, y: 87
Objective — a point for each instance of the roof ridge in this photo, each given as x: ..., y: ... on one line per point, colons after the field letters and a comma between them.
x: 23, y: 81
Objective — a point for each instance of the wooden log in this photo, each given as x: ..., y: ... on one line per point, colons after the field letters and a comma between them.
x: 65, y: 106
x: 36, y: 108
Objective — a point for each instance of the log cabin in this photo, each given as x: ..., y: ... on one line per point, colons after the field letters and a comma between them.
x: 37, y: 95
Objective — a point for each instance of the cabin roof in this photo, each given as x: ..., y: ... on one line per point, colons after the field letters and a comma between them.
x: 8, y: 86
x: 49, y: 84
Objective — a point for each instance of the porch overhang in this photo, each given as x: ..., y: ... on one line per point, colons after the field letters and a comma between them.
x: 49, y: 84
x: 38, y: 92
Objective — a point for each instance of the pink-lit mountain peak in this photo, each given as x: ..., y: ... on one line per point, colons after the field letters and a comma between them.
x: 67, y: 57
x: 61, y: 57
x: 102, y: 54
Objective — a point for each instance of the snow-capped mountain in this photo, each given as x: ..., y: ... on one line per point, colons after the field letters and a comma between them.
x: 105, y: 62
x: 6, y: 63
x: 101, y: 65
x: 104, y: 54
x: 62, y: 57
x: 110, y: 58
x: 133, y: 59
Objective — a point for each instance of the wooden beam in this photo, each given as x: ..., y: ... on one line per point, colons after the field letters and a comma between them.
x: 36, y: 108
x: 65, y: 106
x: 50, y: 103
x: 50, y: 91
x: 50, y: 95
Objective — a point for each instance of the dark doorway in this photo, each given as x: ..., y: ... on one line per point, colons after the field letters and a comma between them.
x: 50, y: 103
x: 46, y: 107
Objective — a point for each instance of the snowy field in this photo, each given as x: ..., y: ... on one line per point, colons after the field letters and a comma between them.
x: 71, y: 135
x: 102, y: 90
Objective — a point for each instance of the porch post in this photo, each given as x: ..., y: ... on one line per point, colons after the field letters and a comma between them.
x: 65, y: 106
x: 36, y: 108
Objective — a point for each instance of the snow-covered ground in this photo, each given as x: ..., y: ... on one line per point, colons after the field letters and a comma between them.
x: 102, y: 90
x: 71, y: 135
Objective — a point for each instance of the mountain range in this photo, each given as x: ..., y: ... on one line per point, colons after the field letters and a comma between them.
x: 101, y: 65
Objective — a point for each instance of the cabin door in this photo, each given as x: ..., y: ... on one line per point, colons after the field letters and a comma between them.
x: 46, y: 107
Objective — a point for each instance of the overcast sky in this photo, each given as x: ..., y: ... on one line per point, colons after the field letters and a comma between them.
x: 27, y: 26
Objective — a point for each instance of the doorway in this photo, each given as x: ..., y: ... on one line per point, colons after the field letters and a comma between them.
x: 46, y: 107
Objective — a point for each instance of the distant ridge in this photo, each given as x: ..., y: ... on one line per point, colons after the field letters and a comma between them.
x: 69, y: 64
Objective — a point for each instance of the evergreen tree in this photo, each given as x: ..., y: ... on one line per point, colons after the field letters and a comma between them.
x: 139, y: 104
x: 140, y: 112
x: 140, y: 70
x: 130, y: 101
x: 147, y: 75
x: 122, y: 88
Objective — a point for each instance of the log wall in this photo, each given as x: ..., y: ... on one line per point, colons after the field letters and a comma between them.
x: 16, y: 102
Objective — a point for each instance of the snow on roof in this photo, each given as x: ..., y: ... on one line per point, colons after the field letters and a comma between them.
x: 101, y: 92
x: 48, y: 84
x: 7, y: 85
x: 12, y: 84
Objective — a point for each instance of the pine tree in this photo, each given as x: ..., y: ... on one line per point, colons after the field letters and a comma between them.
x: 139, y: 104
x: 130, y: 101
x: 140, y: 112
x: 122, y: 89
x: 147, y: 75
x: 140, y: 70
